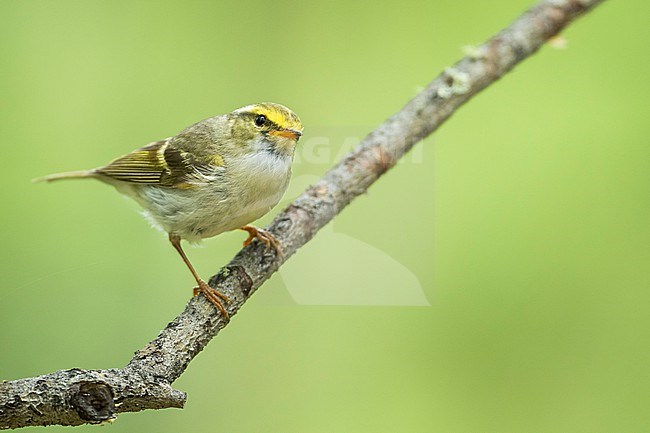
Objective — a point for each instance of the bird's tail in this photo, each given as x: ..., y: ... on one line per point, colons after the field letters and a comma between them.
x: 67, y: 175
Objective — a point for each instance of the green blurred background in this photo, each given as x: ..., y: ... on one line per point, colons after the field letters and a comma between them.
x: 496, y: 281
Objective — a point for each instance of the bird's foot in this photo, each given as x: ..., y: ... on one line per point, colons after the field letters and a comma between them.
x: 214, y: 296
x: 263, y: 236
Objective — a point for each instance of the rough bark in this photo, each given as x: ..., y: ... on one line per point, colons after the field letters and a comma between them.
x: 74, y: 397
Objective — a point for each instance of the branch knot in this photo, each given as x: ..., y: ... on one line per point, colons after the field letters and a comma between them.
x: 93, y: 401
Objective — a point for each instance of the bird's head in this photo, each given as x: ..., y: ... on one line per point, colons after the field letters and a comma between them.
x: 267, y: 127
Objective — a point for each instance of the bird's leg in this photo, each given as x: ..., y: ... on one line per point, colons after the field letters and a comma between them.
x: 212, y: 295
x: 263, y: 236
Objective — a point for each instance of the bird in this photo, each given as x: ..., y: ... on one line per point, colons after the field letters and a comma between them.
x: 217, y: 175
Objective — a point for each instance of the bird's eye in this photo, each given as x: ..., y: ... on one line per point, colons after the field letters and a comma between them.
x: 260, y: 120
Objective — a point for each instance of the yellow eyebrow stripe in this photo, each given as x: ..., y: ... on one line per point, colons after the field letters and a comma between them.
x: 279, y: 117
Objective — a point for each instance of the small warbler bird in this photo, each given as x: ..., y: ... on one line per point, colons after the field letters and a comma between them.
x: 219, y: 174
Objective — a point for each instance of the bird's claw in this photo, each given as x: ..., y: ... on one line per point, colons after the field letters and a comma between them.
x: 215, y: 297
x: 263, y: 236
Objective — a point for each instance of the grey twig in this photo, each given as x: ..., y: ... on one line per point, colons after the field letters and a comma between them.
x: 74, y: 397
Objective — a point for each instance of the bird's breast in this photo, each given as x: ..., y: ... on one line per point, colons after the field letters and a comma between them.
x: 259, y: 181
x: 243, y: 192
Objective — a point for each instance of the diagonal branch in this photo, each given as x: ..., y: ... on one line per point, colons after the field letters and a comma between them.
x: 74, y: 397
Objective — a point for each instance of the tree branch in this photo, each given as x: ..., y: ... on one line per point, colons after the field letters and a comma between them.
x: 74, y: 397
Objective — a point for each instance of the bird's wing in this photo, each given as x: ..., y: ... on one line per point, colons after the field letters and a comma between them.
x: 156, y: 163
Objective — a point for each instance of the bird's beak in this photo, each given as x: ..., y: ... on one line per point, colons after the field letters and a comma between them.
x: 287, y: 133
